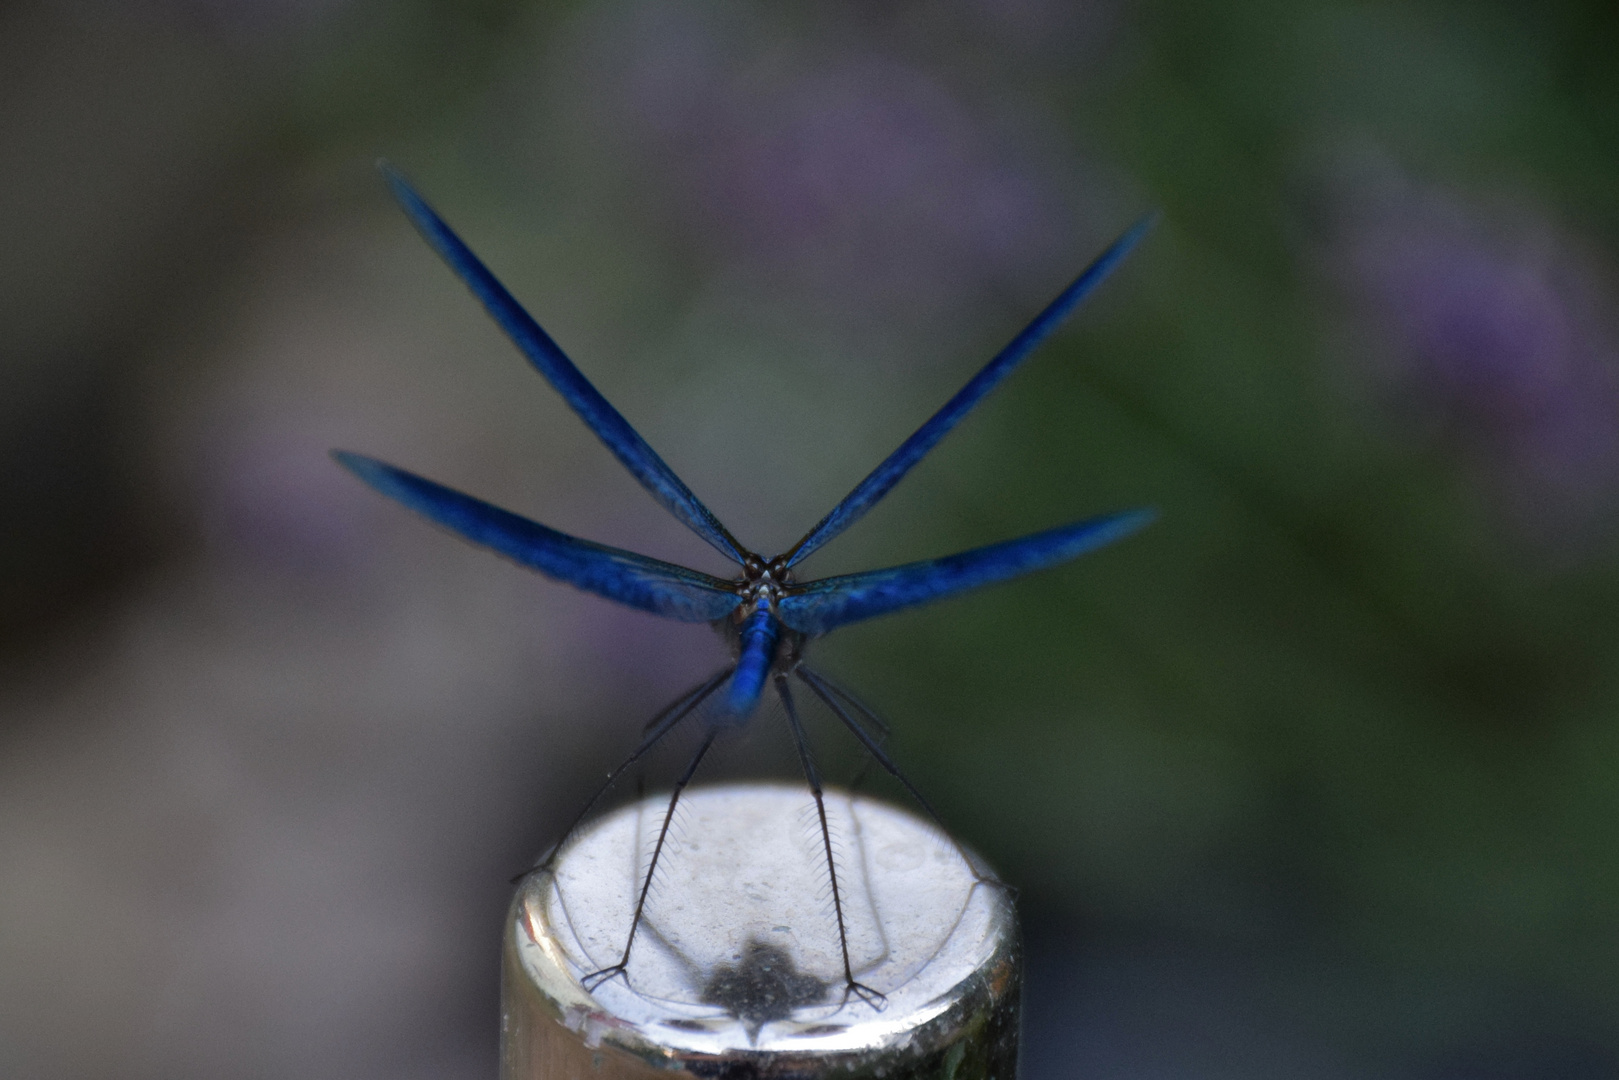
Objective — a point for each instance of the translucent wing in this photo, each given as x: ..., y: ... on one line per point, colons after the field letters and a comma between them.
x: 613, y: 430
x: 871, y: 490
x: 659, y: 587
x: 822, y: 606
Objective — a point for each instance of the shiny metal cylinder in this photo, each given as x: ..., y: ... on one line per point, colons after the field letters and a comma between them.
x: 737, y: 969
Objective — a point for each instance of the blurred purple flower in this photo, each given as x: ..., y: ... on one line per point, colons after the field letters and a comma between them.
x: 235, y: 22
x: 866, y: 177
x: 861, y: 156
x: 1053, y: 28
x: 1498, y: 347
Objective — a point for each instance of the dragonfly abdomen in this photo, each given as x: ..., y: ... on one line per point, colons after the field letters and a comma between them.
x: 758, y: 639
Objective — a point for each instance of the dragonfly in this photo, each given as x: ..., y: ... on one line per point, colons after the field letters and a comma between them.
x: 766, y: 614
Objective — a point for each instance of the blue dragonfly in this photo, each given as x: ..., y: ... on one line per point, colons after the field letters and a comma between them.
x: 766, y: 614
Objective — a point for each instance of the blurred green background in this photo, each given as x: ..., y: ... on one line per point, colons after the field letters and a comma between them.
x: 1317, y: 777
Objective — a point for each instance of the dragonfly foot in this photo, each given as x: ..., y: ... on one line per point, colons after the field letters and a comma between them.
x: 876, y: 999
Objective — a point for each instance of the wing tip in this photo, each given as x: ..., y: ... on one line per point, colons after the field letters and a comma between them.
x: 392, y: 174
x: 377, y: 475
x: 1141, y: 516
x: 408, y: 198
x: 1128, y: 522
x: 354, y: 463
x: 1133, y: 236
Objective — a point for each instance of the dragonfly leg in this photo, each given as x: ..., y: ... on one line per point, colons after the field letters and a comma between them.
x: 596, y: 978
x: 830, y: 693
x: 851, y: 986
x: 659, y: 726
x: 871, y: 717
x: 866, y: 711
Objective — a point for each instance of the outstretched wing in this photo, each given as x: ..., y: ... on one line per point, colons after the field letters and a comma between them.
x: 871, y: 490
x: 659, y: 587
x: 824, y: 605
x: 610, y: 427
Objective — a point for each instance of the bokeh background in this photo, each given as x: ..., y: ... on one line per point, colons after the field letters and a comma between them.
x: 1318, y: 777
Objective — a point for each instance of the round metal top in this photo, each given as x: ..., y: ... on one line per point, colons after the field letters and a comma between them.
x: 738, y: 948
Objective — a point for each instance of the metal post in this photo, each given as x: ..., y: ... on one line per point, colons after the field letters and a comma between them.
x: 737, y: 970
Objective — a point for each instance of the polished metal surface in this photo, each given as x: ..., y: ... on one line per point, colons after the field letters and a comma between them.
x: 737, y: 970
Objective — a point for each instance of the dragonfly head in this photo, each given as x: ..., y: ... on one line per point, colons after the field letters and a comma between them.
x: 762, y: 584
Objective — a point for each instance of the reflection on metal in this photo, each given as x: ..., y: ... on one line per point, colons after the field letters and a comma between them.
x: 741, y: 973
x: 765, y: 986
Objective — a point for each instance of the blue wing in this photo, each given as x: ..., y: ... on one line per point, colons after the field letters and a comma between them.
x: 871, y: 490
x: 613, y: 430
x: 659, y: 587
x: 825, y: 605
